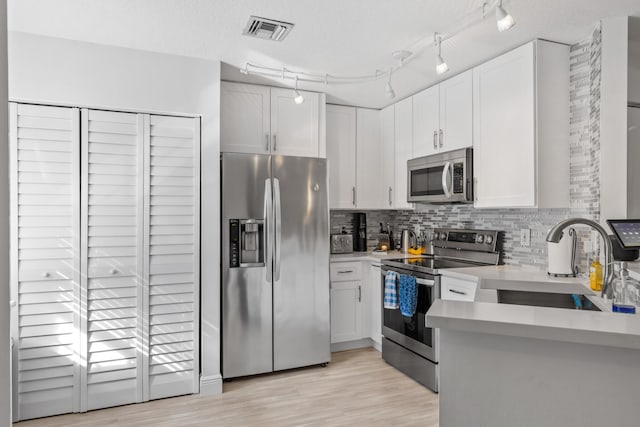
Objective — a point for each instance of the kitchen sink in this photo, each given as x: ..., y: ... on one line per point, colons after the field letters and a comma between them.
x: 546, y: 299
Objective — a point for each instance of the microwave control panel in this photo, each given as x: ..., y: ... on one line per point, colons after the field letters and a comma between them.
x: 458, y: 178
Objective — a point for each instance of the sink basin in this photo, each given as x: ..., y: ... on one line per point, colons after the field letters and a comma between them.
x: 545, y: 299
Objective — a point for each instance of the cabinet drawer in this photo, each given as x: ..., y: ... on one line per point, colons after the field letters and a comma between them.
x: 345, y: 271
x: 457, y: 289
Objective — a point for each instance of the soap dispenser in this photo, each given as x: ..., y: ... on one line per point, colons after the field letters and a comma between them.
x: 623, y: 290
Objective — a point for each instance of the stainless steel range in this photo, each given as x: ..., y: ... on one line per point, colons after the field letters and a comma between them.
x: 407, y: 343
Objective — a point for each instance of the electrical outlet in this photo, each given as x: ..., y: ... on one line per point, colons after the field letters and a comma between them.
x: 525, y: 237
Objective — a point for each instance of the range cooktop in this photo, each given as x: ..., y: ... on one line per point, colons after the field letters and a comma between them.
x: 428, y: 264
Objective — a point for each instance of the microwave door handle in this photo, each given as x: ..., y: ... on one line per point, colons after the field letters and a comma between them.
x: 445, y: 180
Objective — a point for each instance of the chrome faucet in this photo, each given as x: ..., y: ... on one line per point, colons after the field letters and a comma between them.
x: 555, y: 234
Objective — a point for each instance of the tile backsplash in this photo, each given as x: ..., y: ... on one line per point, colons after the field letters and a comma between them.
x: 584, y: 181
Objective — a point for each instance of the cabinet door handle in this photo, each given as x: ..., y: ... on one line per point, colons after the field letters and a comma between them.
x: 359, y: 293
x: 274, y: 143
x: 454, y: 291
x: 353, y: 195
x: 390, y: 202
x: 441, y: 138
x: 435, y: 139
x: 266, y: 140
x: 345, y: 271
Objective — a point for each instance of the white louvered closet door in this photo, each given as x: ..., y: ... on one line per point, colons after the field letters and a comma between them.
x: 172, y: 265
x: 45, y: 237
x: 112, y: 258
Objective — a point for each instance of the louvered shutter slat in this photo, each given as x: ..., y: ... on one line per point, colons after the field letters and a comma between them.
x: 172, y: 260
x: 112, y: 209
x: 45, y: 278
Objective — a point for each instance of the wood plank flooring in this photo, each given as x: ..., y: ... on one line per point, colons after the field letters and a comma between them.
x: 356, y: 388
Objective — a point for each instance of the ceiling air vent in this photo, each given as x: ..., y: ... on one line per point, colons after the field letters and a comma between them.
x: 268, y: 29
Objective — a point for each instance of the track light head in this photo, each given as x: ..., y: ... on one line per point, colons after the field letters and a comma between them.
x: 503, y: 19
x: 298, y: 98
x: 441, y: 66
x: 388, y: 90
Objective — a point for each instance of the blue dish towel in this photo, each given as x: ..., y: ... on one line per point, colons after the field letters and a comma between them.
x: 390, y: 290
x: 408, y: 295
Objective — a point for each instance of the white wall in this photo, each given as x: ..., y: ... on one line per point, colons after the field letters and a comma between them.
x: 64, y: 72
x: 613, y: 119
x: 5, y: 355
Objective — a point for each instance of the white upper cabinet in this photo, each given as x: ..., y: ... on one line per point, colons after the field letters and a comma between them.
x: 245, y: 118
x: 443, y: 116
x: 294, y: 127
x: 456, y: 112
x: 426, y: 106
x: 371, y: 193
x: 263, y: 120
x: 521, y: 128
x: 387, y: 135
x: 403, y: 151
x: 341, y: 154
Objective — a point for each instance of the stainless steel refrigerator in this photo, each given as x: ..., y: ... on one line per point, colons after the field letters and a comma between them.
x: 275, y: 263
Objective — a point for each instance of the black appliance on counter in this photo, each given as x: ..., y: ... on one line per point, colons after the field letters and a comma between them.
x: 360, y: 232
x: 407, y: 343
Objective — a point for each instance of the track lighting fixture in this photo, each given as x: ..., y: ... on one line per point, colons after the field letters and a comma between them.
x: 441, y: 66
x: 299, y: 99
x: 503, y: 19
x: 388, y: 89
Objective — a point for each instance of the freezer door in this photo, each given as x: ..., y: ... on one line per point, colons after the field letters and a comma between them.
x: 247, y: 347
x: 301, y: 263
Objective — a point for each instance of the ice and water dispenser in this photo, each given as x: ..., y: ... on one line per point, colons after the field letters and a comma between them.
x: 247, y: 242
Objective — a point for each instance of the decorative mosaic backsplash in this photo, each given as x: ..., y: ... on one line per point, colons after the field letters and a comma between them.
x: 584, y: 181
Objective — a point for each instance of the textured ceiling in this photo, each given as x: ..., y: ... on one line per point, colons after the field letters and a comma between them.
x: 345, y: 37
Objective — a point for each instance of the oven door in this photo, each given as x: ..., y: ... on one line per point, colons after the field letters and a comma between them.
x: 411, y: 332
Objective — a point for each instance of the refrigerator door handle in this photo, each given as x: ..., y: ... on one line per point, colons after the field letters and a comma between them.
x: 268, y: 210
x: 278, y: 228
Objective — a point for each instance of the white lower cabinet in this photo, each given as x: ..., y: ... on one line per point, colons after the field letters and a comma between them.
x: 375, y: 292
x: 104, y: 210
x: 457, y: 289
x: 356, y: 302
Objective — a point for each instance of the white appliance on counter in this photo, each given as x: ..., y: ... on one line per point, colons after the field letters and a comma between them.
x: 562, y: 255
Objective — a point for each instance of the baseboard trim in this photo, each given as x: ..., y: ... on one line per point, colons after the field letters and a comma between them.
x: 352, y: 345
x: 211, y: 385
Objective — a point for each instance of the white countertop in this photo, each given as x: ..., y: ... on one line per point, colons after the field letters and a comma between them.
x: 520, y: 278
x: 600, y: 328
x: 369, y: 256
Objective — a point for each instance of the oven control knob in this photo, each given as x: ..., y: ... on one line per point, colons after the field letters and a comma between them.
x: 443, y: 236
x: 480, y: 238
x: 489, y: 240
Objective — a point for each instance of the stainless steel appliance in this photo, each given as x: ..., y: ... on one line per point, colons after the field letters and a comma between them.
x: 360, y: 232
x: 275, y: 263
x: 407, y: 343
x: 341, y: 243
x: 441, y: 178
x: 406, y: 238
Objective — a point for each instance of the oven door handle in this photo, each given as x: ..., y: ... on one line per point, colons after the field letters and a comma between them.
x: 426, y: 282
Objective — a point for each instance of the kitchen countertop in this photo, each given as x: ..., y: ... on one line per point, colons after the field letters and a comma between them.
x: 369, y: 256
x: 557, y: 324
x: 520, y: 278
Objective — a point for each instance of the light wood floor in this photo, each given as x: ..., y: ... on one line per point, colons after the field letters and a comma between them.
x: 357, y: 388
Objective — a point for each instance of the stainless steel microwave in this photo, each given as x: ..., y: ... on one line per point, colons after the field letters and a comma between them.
x: 441, y: 178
